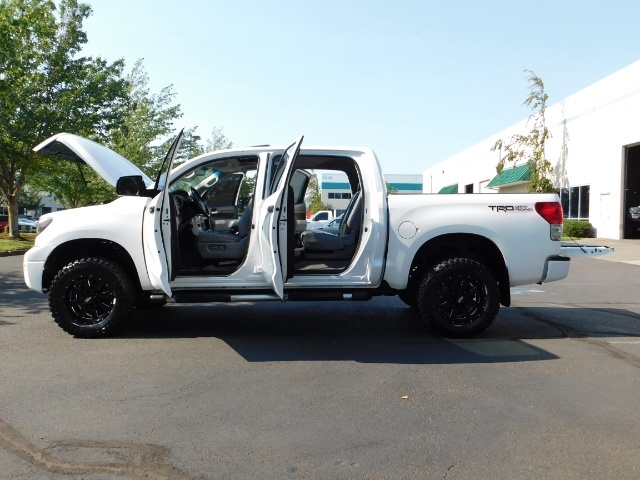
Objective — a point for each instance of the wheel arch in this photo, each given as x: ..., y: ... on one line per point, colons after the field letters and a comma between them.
x: 467, y: 245
x: 88, y: 247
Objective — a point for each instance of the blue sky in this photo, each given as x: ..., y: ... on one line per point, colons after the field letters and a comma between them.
x: 417, y: 81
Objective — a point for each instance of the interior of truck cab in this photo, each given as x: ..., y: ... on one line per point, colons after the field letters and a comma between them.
x: 331, y: 250
x: 214, y: 210
x: 214, y: 216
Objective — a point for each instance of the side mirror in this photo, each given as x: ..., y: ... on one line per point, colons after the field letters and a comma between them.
x: 130, y: 186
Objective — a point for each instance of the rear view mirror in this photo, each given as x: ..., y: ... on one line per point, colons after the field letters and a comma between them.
x: 130, y: 186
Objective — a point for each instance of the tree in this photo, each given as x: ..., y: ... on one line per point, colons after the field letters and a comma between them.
x: 147, y: 118
x: 72, y: 184
x: 314, y: 197
x: 190, y: 146
x: 246, y: 192
x: 218, y: 141
x: 391, y: 190
x: 47, y: 87
x: 530, y: 147
x: 29, y: 200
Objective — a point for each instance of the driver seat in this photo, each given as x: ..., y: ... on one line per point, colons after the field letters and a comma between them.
x: 227, y: 245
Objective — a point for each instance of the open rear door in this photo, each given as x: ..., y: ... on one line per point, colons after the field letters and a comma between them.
x: 157, y: 228
x: 274, y: 217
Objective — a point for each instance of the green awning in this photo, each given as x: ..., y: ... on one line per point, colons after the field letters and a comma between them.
x: 449, y: 189
x: 513, y: 175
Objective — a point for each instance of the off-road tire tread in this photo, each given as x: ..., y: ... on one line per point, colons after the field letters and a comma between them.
x: 120, y: 315
x: 436, y: 274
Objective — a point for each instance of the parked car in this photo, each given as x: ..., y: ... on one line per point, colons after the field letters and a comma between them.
x: 332, y: 226
x: 25, y: 225
x: 319, y: 219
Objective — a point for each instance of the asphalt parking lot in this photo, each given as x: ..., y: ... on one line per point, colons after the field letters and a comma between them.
x: 330, y: 390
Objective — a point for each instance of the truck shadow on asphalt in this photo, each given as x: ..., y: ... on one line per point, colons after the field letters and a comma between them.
x: 379, y: 331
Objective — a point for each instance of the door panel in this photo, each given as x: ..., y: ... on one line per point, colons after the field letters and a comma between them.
x: 274, y: 229
x: 154, y: 254
x: 157, y: 228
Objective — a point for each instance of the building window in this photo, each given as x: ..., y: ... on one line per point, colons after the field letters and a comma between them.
x: 338, y: 196
x: 468, y: 188
x: 575, y: 202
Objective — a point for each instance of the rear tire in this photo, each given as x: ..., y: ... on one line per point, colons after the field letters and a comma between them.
x: 91, y: 298
x: 458, y: 297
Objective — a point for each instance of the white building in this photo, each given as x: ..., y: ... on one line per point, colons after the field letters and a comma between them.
x: 594, y: 148
x: 335, y: 191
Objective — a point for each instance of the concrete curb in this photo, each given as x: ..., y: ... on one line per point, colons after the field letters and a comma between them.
x: 12, y: 254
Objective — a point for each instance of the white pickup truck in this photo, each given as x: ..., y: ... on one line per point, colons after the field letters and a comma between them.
x: 190, y: 235
x: 319, y: 219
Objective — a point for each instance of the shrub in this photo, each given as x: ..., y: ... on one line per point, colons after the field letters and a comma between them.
x: 577, y: 228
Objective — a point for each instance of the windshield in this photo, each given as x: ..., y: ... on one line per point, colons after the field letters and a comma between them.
x: 201, y: 178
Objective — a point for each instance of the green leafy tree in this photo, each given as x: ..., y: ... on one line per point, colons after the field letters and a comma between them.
x: 191, y: 147
x: 530, y: 147
x: 72, y: 184
x: 218, y: 141
x: 246, y: 192
x: 391, y: 190
x: 147, y: 118
x: 29, y: 199
x: 314, y: 196
x: 46, y: 86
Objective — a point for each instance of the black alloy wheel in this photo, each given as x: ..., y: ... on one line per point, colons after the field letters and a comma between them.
x: 91, y: 297
x: 459, y: 297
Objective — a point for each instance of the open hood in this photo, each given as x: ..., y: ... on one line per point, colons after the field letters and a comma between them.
x: 107, y: 163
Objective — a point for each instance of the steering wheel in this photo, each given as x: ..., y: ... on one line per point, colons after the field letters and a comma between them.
x: 201, y: 204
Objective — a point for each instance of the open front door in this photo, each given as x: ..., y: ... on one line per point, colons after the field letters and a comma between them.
x: 158, y: 236
x: 274, y: 216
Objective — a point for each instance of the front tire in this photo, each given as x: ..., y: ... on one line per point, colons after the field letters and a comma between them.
x: 458, y: 297
x: 91, y: 298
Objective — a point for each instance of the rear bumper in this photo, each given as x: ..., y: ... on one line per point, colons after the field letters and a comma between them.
x: 556, y: 268
x: 575, y: 250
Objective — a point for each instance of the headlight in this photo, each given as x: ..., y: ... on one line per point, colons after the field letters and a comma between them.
x: 44, y: 223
